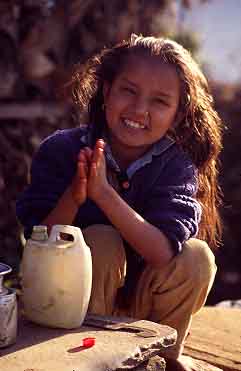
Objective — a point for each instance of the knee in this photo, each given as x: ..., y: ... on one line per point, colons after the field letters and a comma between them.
x: 106, y: 245
x: 199, y: 262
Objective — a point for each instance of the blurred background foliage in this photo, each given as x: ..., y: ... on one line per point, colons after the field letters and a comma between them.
x: 40, y: 41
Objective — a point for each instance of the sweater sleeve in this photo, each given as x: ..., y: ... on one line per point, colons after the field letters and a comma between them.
x: 52, y: 169
x: 171, y: 205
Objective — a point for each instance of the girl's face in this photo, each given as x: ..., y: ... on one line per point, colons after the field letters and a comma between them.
x: 141, y: 105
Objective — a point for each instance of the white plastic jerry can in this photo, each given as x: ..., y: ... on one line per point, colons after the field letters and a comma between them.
x: 56, y: 277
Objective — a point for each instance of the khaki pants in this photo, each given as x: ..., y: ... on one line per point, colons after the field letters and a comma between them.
x: 169, y: 296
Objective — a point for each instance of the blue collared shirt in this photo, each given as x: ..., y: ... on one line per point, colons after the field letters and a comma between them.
x: 162, y: 185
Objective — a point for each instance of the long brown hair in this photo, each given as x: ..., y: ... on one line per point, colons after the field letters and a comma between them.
x: 198, y: 133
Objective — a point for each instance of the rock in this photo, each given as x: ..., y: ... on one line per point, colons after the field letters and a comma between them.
x: 45, y: 349
x: 229, y: 304
x: 215, y: 337
x: 191, y: 364
x: 155, y: 363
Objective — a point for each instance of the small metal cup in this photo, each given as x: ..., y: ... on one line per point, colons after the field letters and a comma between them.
x: 8, y: 311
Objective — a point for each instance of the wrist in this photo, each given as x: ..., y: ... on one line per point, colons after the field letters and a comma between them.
x: 72, y: 199
x: 104, y: 195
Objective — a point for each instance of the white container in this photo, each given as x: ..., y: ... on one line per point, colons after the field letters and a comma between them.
x: 8, y: 311
x: 56, y: 277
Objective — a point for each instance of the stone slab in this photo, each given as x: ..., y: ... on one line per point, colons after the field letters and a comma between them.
x: 215, y: 337
x: 155, y: 363
x: 43, y: 349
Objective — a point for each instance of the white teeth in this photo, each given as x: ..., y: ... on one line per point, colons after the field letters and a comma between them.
x: 134, y: 124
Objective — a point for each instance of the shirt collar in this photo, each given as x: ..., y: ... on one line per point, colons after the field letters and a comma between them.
x: 157, y: 148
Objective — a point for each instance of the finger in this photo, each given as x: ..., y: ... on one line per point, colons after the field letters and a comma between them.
x: 81, y: 155
x: 80, y: 187
x: 89, y: 154
x: 100, y: 144
x: 93, y: 170
x: 82, y: 171
x: 82, y: 158
x: 98, y: 151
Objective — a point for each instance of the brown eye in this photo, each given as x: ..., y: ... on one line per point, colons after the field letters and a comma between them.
x: 129, y: 90
x: 160, y: 101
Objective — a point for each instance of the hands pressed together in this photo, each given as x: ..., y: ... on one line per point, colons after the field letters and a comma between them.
x: 90, y: 181
x: 90, y: 178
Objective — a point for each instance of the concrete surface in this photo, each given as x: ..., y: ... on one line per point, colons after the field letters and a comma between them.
x: 44, y: 349
x: 215, y: 337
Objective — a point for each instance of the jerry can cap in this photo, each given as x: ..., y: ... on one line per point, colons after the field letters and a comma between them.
x: 40, y: 232
x: 39, y: 228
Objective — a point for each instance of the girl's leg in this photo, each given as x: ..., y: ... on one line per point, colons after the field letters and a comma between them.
x: 172, y: 295
x: 109, y: 267
x: 169, y: 296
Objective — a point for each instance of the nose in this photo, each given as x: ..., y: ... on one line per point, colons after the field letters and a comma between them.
x: 140, y: 108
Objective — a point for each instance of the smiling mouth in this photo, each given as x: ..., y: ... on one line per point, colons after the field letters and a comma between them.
x: 133, y: 124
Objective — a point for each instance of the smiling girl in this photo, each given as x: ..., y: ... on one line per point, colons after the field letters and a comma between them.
x: 140, y: 180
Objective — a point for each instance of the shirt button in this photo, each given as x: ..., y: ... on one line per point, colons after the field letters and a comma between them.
x: 126, y: 185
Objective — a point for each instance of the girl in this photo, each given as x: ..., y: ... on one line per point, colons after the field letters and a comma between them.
x: 140, y: 180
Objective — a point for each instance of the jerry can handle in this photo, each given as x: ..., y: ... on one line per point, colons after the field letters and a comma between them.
x: 75, y: 232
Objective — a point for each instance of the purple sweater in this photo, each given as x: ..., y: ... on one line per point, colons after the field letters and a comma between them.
x: 163, y: 184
